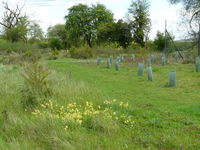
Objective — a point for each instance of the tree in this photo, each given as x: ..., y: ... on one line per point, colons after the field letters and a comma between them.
x: 119, y: 32
x: 159, y: 41
x: 83, y: 21
x: 138, y: 16
x: 35, y: 32
x: 59, y: 32
x: 15, y: 24
x: 123, y: 33
x: 19, y: 32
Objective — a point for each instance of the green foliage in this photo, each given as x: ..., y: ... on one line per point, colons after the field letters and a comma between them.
x: 6, y: 46
x: 35, y: 33
x: 59, y: 32
x: 82, y: 52
x: 119, y: 32
x: 82, y: 22
x: 108, y: 49
x: 159, y: 42
x: 19, y: 32
x: 43, y: 44
x: 55, y: 43
x: 188, y: 4
x: 54, y: 54
x: 138, y: 15
x: 37, y: 86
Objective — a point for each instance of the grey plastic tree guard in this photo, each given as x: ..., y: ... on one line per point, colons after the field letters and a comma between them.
x: 117, y: 67
x: 118, y: 59
x: 99, y: 60
x: 140, y: 69
x: 163, y: 60
x: 172, y: 78
x: 133, y: 57
x: 108, y: 63
x: 121, y: 58
x: 148, y: 62
x: 197, y: 64
x: 149, y: 73
x: 111, y: 60
x: 153, y: 58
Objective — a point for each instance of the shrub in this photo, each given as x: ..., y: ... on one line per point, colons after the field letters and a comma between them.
x: 55, y: 44
x: 36, y: 86
x: 54, y: 54
x: 43, y: 45
x: 83, y: 52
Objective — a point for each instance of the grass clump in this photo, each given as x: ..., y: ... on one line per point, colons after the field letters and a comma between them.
x: 37, y: 84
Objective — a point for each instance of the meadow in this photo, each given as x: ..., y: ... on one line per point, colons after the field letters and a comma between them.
x: 93, y: 107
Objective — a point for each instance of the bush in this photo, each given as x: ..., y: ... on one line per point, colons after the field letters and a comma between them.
x: 36, y: 86
x: 54, y: 54
x: 43, y: 45
x: 55, y: 43
x: 83, y: 52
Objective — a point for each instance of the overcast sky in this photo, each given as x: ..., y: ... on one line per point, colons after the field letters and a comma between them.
x: 51, y: 12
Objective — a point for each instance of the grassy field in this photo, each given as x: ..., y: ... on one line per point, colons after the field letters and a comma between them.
x: 118, y: 109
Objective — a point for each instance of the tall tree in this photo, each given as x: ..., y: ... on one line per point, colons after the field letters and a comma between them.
x: 35, y: 32
x: 119, y: 32
x: 82, y: 21
x: 138, y: 16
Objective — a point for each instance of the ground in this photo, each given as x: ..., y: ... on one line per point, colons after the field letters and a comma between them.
x: 162, y: 117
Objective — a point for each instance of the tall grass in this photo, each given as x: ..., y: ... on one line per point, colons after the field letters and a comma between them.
x: 19, y: 47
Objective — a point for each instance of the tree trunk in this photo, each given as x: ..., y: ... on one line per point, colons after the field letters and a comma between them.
x: 88, y: 40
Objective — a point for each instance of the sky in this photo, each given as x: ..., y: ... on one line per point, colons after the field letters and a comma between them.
x: 50, y: 12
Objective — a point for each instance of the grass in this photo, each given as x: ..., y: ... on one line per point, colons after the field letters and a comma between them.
x: 164, y: 118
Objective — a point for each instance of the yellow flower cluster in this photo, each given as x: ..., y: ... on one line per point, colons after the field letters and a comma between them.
x: 76, y: 114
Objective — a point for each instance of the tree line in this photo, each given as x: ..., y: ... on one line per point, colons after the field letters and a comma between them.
x: 84, y: 25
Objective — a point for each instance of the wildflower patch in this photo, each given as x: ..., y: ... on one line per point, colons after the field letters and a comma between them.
x: 74, y: 115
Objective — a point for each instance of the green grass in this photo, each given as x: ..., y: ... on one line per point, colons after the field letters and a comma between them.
x: 165, y: 118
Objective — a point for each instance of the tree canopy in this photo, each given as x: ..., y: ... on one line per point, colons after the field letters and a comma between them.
x: 138, y: 16
x: 82, y: 21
